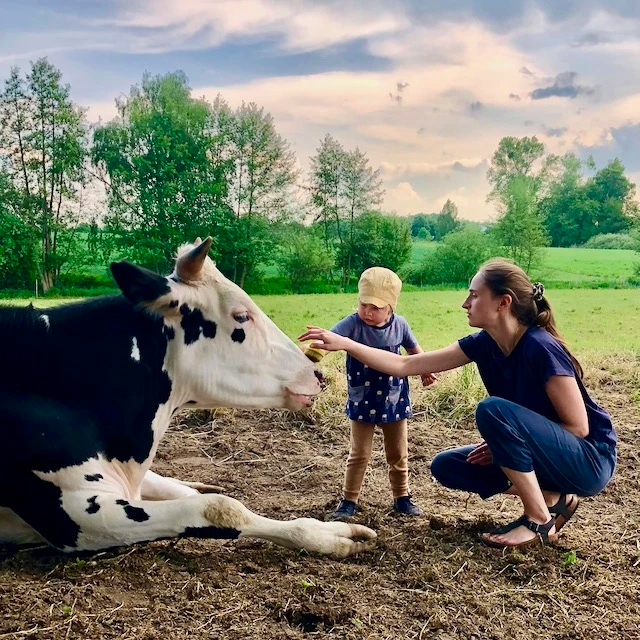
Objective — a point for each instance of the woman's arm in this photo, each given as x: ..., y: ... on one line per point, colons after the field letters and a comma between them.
x: 427, y: 378
x: 565, y: 396
x: 396, y: 365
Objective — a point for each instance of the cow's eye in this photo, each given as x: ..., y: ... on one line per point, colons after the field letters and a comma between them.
x: 241, y: 317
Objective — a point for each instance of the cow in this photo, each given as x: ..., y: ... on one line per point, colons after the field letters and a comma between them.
x: 88, y: 389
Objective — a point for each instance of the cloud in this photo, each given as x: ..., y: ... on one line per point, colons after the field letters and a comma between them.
x: 617, y: 142
x: 514, y: 96
x: 464, y: 165
x: 563, y: 86
x: 554, y: 132
x: 525, y: 71
x: 591, y: 39
x: 403, y: 199
x: 476, y: 106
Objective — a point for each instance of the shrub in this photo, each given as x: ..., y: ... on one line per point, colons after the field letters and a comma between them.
x: 304, y: 260
x: 18, y: 253
x: 455, y: 261
x: 612, y: 241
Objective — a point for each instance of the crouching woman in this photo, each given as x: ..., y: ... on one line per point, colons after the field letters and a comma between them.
x: 544, y: 439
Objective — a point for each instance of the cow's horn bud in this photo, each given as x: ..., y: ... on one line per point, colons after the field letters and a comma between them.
x: 189, y: 265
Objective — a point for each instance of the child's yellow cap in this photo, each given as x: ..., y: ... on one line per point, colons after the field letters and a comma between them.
x: 379, y: 286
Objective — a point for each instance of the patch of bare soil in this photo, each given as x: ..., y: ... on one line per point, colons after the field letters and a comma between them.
x: 428, y: 577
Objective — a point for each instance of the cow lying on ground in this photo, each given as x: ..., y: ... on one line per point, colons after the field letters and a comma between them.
x: 87, y: 391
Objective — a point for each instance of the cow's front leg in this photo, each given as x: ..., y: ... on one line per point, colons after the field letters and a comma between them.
x: 157, y: 487
x: 107, y: 521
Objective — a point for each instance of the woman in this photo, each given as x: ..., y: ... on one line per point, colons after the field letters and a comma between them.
x: 545, y: 439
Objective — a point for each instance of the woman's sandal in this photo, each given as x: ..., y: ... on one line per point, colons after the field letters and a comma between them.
x: 563, y: 510
x: 542, y: 530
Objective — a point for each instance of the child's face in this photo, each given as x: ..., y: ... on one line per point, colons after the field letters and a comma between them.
x: 372, y: 315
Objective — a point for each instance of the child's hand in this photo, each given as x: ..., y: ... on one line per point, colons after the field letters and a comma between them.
x: 324, y: 339
x: 480, y: 455
x: 427, y: 379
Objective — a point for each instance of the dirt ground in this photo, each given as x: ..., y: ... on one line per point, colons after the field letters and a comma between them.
x: 427, y: 578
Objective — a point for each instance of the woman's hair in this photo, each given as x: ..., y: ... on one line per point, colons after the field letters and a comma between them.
x: 528, y: 304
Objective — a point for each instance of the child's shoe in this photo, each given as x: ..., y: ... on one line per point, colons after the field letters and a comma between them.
x: 404, y: 506
x: 346, y: 509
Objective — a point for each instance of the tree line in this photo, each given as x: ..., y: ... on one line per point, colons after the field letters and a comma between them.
x: 170, y: 167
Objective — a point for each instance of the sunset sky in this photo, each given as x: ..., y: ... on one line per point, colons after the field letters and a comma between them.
x: 427, y: 89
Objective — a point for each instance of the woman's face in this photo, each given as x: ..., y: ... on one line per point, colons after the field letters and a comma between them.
x: 372, y: 315
x: 481, y: 304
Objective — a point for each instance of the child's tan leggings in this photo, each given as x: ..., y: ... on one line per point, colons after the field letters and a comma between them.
x: 395, y: 448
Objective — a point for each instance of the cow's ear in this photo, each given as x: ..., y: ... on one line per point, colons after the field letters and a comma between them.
x: 138, y: 284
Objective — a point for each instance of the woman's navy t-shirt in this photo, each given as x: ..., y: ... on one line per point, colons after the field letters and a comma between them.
x: 521, y: 376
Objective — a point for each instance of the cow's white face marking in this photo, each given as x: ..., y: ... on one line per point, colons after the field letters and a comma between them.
x: 45, y: 319
x: 239, y: 358
x: 135, y: 350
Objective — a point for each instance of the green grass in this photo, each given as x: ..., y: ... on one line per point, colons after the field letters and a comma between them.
x: 604, y: 320
x: 569, y: 267
x: 601, y: 320
x: 587, y: 265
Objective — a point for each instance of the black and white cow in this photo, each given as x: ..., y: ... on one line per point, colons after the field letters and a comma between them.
x: 87, y: 391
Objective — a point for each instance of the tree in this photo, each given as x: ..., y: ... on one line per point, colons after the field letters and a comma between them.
x: 326, y: 175
x: 343, y: 187
x: 264, y: 171
x: 576, y: 210
x: 615, y: 195
x: 520, y: 229
x: 447, y: 220
x: 166, y: 162
x: 513, y: 157
x: 44, y: 147
x: 378, y: 240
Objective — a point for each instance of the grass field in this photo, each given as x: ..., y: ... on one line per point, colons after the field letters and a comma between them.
x: 604, y: 320
x: 569, y: 266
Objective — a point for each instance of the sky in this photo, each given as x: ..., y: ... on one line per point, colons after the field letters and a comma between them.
x: 425, y: 88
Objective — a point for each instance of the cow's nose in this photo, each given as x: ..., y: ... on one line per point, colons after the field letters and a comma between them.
x: 321, y: 379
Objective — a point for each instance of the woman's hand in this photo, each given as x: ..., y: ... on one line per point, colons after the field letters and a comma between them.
x: 323, y: 339
x: 480, y: 455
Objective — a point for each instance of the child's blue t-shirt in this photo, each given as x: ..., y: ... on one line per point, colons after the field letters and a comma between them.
x: 521, y: 376
x: 374, y: 396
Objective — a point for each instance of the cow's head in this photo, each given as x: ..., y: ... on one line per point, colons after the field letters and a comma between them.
x: 222, y: 350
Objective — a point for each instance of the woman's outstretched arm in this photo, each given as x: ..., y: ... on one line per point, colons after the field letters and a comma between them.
x: 396, y: 365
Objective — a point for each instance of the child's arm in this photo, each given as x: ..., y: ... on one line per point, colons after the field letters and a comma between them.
x: 427, y: 378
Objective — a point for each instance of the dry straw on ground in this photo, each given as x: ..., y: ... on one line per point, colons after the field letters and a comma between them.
x: 428, y: 578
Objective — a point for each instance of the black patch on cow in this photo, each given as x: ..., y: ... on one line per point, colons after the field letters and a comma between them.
x: 224, y: 533
x: 93, y: 507
x: 194, y: 325
x: 238, y: 335
x: 93, y: 477
x: 136, y: 513
x: 73, y: 393
x: 38, y: 502
x: 169, y: 332
x: 191, y: 402
x: 133, y: 513
x: 173, y: 304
